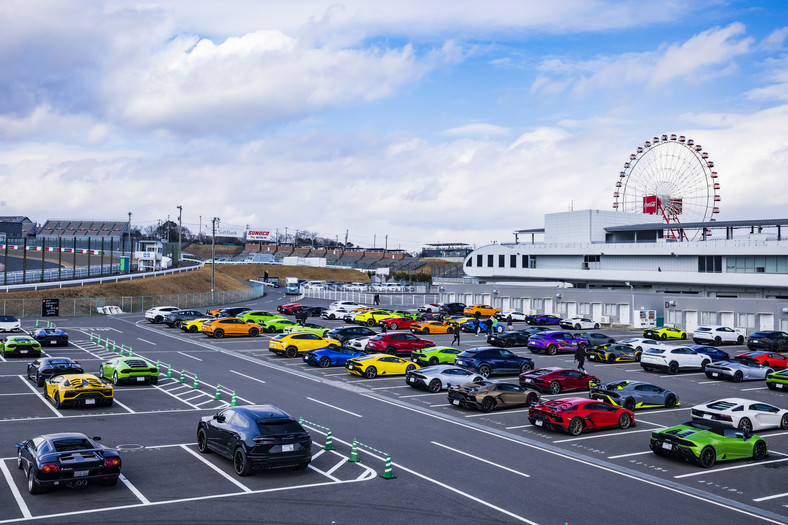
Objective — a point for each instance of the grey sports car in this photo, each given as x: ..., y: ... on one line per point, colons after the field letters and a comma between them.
x: 738, y: 369
x: 438, y: 377
x: 634, y: 394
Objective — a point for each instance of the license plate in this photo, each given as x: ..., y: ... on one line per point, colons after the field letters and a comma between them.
x: 455, y: 402
x: 714, y: 374
x: 667, y: 446
x: 90, y: 401
x: 288, y: 448
x: 529, y: 380
x: 52, y: 342
x: 23, y: 351
x: 350, y: 367
x: 409, y: 379
x: 706, y: 416
x: 779, y: 385
x: 140, y: 378
x: 538, y: 422
x: 80, y: 473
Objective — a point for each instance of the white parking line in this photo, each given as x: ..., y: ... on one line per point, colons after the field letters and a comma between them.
x: 134, y: 490
x: 87, y: 351
x: 336, y: 408
x: 40, y: 396
x: 601, y: 435
x: 18, y: 394
x: 390, y: 387
x: 146, y: 341
x: 628, y: 455
x: 420, y: 395
x: 755, y: 464
x: 502, y: 412
x: 115, y: 401
x: 217, y: 469
x: 190, y: 356
x: 15, y: 491
x: 518, y: 426
x: 247, y: 377
x: 757, y: 388
x: 482, y: 460
x: 766, y: 498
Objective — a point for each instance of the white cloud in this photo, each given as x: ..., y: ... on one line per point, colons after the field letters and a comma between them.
x: 478, y: 129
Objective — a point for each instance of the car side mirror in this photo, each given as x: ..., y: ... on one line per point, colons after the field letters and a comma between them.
x: 219, y: 418
x: 96, y: 438
x: 19, y: 445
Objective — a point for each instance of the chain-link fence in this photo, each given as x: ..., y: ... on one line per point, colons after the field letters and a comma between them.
x: 89, y: 306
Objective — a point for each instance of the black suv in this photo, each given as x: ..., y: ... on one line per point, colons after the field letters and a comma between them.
x: 452, y: 308
x: 488, y: 360
x: 256, y: 437
x: 772, y: 341
x: 346, y: 333
x: 177, y: 318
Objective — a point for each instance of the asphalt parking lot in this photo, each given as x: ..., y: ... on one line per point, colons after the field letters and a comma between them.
x: 450, y: 464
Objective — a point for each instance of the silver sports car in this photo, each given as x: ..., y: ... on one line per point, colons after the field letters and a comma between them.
x: 438, y: 377
x: 634, y: 394
x: 741, y: 369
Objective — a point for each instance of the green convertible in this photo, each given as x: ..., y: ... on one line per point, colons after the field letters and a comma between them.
x: 778, y: 380
x: 129, y: 370
x: 706, y: 442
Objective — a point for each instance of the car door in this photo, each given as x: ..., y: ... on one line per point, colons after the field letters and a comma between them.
x: 507, y: 361
x: 602, y: 415
x: 736, y: 445
x: 766, y: 416
x: 225, y: 432
x: 510, y: 395
x: 573, y: 380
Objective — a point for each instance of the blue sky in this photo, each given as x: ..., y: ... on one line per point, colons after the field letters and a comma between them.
x: 441, y: 121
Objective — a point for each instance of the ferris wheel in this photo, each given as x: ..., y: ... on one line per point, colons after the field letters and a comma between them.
x: 673, y: 178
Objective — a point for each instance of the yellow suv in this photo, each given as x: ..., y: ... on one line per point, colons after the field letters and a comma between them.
x: 291, y: 345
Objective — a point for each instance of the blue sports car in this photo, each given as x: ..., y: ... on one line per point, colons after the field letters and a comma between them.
x: 325, y: 357
x: 50, y: 336
x: 715, y: 353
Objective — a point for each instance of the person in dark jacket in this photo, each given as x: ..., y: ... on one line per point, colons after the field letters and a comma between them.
x: 456, y: 338
x: 580, y: 357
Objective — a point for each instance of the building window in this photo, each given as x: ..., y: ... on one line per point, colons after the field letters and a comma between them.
x: 479, y: 261
x: 490, y: 261
x: 710, y: 264
x: 501, y: 261
x: 469, y: 262
x: 525, y: 261
x: 610, y: 309
x: 746, y: 321
x: 708, y: 318
x: 560, y: 308
x: 513, y: 261
x: 584, y: 309
x: 537, y: 304
x: 673, y: 317
x: 517, y: 303
x: 532, y: 261
x: 759, y: 264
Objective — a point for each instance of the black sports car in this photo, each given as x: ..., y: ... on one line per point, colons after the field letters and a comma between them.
x: 71, y: 459
x: 233, y: 311
x: 311, y: 311
x: 177, y: 318
x: 452, y: 308
x: 519, y: 338
x: 42, y: 369
x: 595, y: 338
x: 256, y: 437
x: 50, y: 336
x: 346, y: 333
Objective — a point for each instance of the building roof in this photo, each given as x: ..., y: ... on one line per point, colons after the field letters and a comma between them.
x: 693, y: 225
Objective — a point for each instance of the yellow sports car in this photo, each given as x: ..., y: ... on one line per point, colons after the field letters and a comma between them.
x: 432, y: 327
x: 291, y: 345
x: 374, y: 365
x: 373, y: 317
x: 480, y: 310
x: 664, y: 332
x: 78, y: 390
x: 195, y: 325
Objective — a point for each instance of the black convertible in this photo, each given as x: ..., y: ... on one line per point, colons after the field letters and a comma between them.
x: 50, y: 336
x: 71, y: 459
x: 42, y: 369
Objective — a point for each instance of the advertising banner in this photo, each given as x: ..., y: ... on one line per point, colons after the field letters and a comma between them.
x: 259, y: 235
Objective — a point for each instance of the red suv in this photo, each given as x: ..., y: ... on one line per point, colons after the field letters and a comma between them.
x: 397, y: 343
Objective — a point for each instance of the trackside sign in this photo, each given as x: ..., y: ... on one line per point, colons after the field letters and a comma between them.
x: 259, y: 235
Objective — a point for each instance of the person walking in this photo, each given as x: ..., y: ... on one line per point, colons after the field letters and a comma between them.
x: 456, y: 338
x: 580, y: 357
x: 477, y: 327
x: 376, y: 299
x: 509, y: 322
x: 492, y: 322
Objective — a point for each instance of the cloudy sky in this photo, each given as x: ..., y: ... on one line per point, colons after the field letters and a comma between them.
x: 438, y: 121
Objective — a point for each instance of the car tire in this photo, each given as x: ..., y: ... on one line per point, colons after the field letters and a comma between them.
x: 526, y: 367
x: 154, y: 380
x: 158, y: 319
x: 673, y: 368
x: 324, y: 362
x: 39, y: 381
x: 670, y: 401
x: 19, y: 458
x: 434, y: 386
x: 663, y: 336
x: 485, y: 370
x: 254, y: 332
x: 391, y: 350
x: 575, y: 426
x: 178, y: 324
x: 531, y: 399
x: 202, y: 441
x: 554, y: 387
x: 331, y: 317
x: 708, y: 374
x: 56, y: 400
x: 629, y: 403
x: 683, y: 336
x: 759, y: 450
x: 425, y: 331
x: 370, y: 372
x: 577, y: 326
x: 784, y: 422
x: 596, y: 326
x: 241, y: 463
x: 745, y: 424
x: 638, y: 355
x: 704, y: 364
x: 717, y: 341
x: 707, y: 458
x: 33, y: 486
x: 740, y: 340
x: 624, y: 421
x: 115, y: 379
x: 487, y: 404
x: 371, y: 322
x: 410, y: 368
x: 738, y: 376
x: 218, y: 334
x: 192, y: 329
x: 291, y: 352
x: 552, y: 349
x: 433, y: 361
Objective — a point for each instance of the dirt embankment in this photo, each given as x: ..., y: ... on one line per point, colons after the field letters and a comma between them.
x: 228, y: 277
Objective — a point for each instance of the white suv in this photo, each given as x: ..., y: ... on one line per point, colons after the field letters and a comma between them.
x: 716, y: 335
x: 673, y: 360
x: 158, y: 313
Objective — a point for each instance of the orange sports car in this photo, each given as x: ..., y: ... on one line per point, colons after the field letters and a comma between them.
x: 218, y: 328
x: 431, y: 327
x: 481, y: 310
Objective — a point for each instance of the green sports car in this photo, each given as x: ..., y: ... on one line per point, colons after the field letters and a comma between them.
x: 259, y: 316
x: 276, y: 326
x: 308, y: 327
x: 778, y: 380
x: 129, y: 370
x: 20, y: 346
x: 706, y: 442
x: 434, y: 355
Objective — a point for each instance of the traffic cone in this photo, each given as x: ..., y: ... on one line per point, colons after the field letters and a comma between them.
x: 131, y: 352
x: 387, y: 474
x: 91, y: 337
x: 36, y: 323
x: 98, y: 339
x: 195, y: 386
x: 182, y: 375
x: 218, y: 395
x: 169, y: 370
x: 232, y: 401
x: 354, y: 452
x: 329, y: 441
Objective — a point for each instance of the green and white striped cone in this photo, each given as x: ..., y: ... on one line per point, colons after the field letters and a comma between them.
x: 354, y: 452
x: 329, y: 441
x: 387, y: 474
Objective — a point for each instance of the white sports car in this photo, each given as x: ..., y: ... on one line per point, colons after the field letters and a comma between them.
x: 744, y: 414
x: 578, y: 323
x: 516, y: 316
x: 360, y: 343
x: 429, y: 308
x: 640, y: 344
x: 439, y: 377
x: 9, y: 323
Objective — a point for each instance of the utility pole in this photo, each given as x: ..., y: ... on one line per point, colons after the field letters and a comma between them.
x: 130, y: 245
x: 285, y: 234
x: 180, y: 230
x: 345, y: 246
x: 200, y: 235
x: 213, y: 260
x: 168, y: 227
x: 374, y: 240
x: 387, y: 244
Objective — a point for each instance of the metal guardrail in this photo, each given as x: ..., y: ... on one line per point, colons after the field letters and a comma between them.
x: 386, y: 299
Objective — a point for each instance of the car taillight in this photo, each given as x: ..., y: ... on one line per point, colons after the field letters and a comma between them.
x: 111, y: 462
x: 50, y: 467
x: 264, y: 440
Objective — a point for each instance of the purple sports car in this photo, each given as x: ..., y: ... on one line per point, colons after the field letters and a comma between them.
x: 542, y: 319
x: 553, y: 342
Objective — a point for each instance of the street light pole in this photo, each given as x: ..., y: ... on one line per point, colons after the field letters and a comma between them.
x: 180, y: 230
x: 130, y: 245
x: 213, y: 259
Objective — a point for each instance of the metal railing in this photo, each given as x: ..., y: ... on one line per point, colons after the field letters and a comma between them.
x: 397, y: 299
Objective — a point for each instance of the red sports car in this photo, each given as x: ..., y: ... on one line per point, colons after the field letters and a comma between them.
x: 396, y: 343
x: 576, y: 414
x: 288, y: 309
x: 772, y: 359
x: 556, y: 380
x: 397, y: 323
